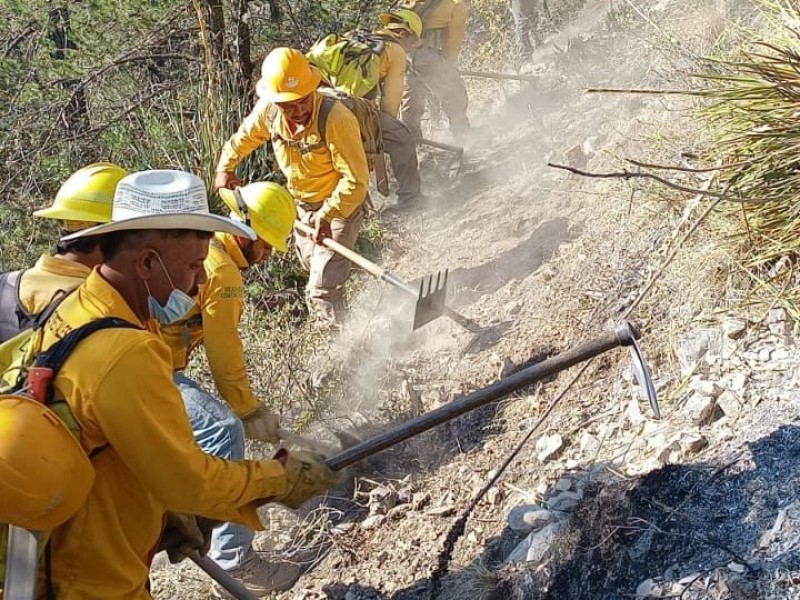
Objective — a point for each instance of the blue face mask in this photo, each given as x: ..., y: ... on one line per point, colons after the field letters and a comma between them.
x: 178, y: 304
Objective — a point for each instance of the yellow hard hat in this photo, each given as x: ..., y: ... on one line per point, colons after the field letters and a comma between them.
x: 45, y: 476
x: 286, y: 76
x: 402, y: 18
x: 85, y: 198
x: 265, y: 206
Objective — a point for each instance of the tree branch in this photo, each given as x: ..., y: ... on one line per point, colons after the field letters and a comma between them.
x: 631, y: 175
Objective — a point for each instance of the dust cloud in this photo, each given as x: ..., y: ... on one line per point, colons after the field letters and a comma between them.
x: 500, y: 220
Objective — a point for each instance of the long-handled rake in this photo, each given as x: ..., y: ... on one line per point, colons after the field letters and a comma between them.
x: 430, y: 296
x: 454, y: 167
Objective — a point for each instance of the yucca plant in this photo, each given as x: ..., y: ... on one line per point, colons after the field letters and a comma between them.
x: 754, y: 118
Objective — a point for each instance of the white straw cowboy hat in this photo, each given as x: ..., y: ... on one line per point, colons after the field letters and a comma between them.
x: 163, y: 200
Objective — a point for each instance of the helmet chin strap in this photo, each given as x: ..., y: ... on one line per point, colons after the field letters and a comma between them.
x: 240, y: 204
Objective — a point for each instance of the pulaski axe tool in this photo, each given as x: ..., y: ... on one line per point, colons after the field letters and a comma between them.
x: 625, y: 334
x: 430, y: 295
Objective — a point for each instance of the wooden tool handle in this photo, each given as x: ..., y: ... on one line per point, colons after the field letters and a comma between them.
x: 353, y: 257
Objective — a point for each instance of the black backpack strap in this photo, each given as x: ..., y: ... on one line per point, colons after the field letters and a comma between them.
x: 325, y: 108
x: 53, y: 358
x: 373, y: 41
x: 41, y: 317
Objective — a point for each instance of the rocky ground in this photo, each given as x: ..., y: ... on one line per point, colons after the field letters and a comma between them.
x: 604, y: 501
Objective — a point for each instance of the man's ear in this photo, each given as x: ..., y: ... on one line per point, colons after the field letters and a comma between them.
x: 145, y: 263
x: 242, y: 242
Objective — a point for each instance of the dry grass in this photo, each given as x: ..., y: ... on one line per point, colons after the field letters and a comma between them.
x: 474, y: 582
x: 755, y: 95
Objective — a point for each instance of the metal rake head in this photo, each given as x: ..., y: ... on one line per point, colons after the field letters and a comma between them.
x: 454, y: 169
x: 431, y: 299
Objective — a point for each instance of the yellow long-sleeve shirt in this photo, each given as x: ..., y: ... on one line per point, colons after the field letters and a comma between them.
x: 118, y: 384
x: 48, y: 279
x: 333, y: 176
x: 214, y: 321
x: 392, y: 68
x: 446, y: 26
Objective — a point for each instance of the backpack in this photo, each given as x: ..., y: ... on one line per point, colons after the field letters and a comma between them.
x: 349, y: 63
x: 368, y: 118
x: 422, y: 7
x: 19, y: 350
x: 34, y: 379
x: 13, y: 317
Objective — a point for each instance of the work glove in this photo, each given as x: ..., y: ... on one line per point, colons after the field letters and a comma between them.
x: 184, y: 534
x: 262, y: 425
x: 307, y: 476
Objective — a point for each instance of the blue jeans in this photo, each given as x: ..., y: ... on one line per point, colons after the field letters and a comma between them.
x: 219, y: 432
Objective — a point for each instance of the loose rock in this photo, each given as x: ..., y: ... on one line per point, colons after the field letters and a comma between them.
x: 420, y: 500
x: 399, y: 511
x: 441, y: 511
x: 693, y: 345
x: 524, y: 519
x: 549, y: 447
x: 645, y: 589
x: 589, y: 444
x: 564, y: 501
x: 534, y: 547
x: 705, y: 387
x: 494, y: 496
x: 373, y: 522
x: 691, y: 443
x: 702, y: 410
x: 729, y: 403
x: 734, y: 328
x: 563, y: 484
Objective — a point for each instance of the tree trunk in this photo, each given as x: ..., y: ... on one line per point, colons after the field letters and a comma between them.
x: 214, y: 18
x: 76, y: 113
x: 275, y: 13
x: 244, y: 62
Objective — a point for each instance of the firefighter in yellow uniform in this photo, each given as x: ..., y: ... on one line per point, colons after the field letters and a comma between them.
x: 214, y: 321
x: 433, y: 64
x: 402, y: 29
x: 325, y: 167
x: 83, y: 200
x: 345, y: 71
x: 117, y: 384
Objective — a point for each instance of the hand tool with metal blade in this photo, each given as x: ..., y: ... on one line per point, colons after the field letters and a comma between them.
x: 306, y: 442
x: 624, y: 335
x: 455, y: 165
x: 430, y: 296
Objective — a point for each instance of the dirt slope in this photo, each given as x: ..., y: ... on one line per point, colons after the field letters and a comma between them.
x: 543, y: 260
